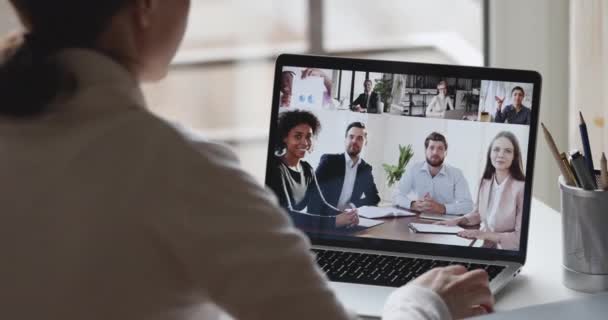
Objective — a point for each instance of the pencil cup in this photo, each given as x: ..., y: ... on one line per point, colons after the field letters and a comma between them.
x: 585, y: 238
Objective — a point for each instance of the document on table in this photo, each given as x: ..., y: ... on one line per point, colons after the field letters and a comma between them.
x: 368, y: 223
x: 382, y: 212
x: 434, y: 228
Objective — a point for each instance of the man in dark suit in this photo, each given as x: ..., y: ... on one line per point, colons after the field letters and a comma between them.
x: 345, y: 178
x: 368, y: 100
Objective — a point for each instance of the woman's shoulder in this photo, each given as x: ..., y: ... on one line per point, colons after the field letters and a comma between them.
x: 202, y: 144
x: 305, y: 165
x: 518, y: 185
x: 275, y: 162
x: 171, y: 145
x: 485, y: 183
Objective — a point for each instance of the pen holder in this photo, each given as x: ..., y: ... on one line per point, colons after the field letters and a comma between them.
x: 585, y: 238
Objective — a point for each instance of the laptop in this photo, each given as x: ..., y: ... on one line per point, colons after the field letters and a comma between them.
x: 366, y: 260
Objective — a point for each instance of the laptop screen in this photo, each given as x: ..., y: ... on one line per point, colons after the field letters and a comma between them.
x: 408, y: 157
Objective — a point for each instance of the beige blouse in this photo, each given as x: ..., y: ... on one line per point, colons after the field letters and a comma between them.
x: 109, y: 213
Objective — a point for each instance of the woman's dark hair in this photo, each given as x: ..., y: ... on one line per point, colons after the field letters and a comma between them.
x: 516, y: 169
x: 29, y: 81
x: 291, y: 119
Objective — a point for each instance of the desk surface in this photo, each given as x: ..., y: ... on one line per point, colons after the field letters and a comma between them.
x: 398, y: 229
x: 540, y: 280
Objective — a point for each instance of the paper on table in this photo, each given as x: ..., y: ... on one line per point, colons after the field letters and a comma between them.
x: 434, y: 228
x: 381, y: 212
x: 368, y: 223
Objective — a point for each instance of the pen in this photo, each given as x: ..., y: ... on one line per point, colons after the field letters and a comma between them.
x: 583, y: 175
x: 586, y: 146
x: 561, y: 164
x: 570, y: 176
x: 604, y: 174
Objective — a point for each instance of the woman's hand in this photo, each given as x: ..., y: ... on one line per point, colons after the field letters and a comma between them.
x: 466, y: 294
x: 347, y: 219
x: 470, y: 234
x: 480, y: 235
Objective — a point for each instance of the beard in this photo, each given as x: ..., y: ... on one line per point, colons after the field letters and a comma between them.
x: 353, y: 151
x: 435, y: 163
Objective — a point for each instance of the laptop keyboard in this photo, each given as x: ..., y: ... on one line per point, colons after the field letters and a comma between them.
x: 382, y: 270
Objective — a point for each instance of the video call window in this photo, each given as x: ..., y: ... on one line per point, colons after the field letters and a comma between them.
x: 402, y: 157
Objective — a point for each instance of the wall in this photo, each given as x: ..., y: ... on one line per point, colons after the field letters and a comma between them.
x: 534, y: 35
x: 8, y: 21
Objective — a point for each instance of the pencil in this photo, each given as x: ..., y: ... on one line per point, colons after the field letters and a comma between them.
x: 567, y: 174
x: 604, y: 174
x: 586, y: 144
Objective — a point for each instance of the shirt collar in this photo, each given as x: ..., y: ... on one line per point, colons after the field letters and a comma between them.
x: 349, y: 161
x: 502, y: 185
x: 426, y: 168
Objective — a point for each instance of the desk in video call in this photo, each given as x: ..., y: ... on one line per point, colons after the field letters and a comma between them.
x: 397, y: 228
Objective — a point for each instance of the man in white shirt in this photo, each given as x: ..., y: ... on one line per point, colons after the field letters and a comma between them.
x: 346, y: 178
x: 433, y: 186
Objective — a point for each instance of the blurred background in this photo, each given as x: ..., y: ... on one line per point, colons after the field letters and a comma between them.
x: 221, y: 81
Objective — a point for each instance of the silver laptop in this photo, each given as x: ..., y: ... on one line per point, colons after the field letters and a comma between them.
x: 325, y: 161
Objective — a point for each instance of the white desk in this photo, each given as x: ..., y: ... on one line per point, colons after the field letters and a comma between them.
x: 540, y: 280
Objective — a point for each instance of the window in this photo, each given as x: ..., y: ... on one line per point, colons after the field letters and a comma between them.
x: 430, y: 31
x: 230, y: 30
x: 221, y: 82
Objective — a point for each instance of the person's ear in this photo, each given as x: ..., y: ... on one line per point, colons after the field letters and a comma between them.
x: 144, y: 10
